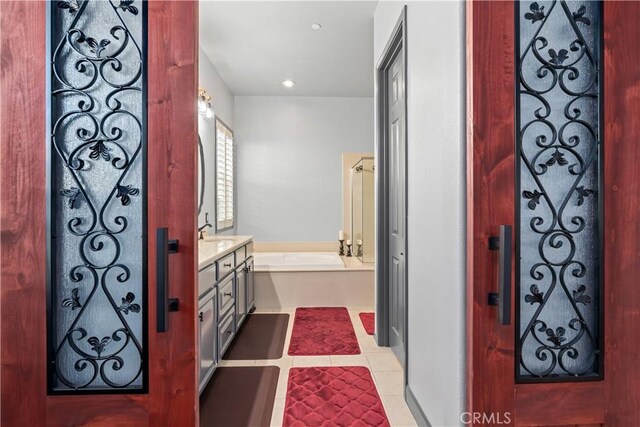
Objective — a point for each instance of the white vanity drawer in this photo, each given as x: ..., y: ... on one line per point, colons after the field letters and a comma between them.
x: 241, y: 255
x: 226, y: 295
x: 226, y: 265
x: 206, y: 279
x: 249, y: 249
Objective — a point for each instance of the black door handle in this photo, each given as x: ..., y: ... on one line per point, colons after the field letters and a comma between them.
x: 502, y: 298
x: 164, y: 304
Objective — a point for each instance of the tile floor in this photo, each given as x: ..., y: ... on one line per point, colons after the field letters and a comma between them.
x: 385, y: 369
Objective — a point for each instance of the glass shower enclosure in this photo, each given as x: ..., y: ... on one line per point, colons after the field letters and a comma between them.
x: 363, y: 210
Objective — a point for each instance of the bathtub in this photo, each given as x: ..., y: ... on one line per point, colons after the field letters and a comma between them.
x: 297, y: 261
x: 310, y: 279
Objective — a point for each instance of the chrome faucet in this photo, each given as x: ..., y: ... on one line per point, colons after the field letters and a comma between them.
x: 201, y: 229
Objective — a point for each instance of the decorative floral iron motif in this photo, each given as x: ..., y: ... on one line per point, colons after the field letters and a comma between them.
x: 71, y: 5
x: 128, y: 305
x: 127, y: 6
x: 558, y: 145
x: 536, y: 12
x: 97, y: 144
x: 73, y: 301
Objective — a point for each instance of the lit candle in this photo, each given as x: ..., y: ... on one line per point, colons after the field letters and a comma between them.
x: 341, y: 235
x: 349, y: 242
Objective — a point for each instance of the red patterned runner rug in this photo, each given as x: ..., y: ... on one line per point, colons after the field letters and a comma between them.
x: 333, y: 396
x: 322, y: 331
x: 368, y: 321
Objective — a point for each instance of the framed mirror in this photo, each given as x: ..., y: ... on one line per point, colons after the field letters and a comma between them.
x: 201, y: 174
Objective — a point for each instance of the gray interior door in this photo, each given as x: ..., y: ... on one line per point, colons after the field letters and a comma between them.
x: 397, y: 205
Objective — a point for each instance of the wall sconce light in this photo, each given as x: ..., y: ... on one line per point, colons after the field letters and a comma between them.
x: 205, y: 108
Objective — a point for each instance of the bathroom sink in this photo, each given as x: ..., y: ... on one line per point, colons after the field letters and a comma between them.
x: 212, y: 247
x: 218, y: 240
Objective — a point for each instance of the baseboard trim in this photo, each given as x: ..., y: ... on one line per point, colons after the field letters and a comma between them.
x: 414, y: 407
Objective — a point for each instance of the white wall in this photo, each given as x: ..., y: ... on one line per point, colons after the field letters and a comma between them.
x: 213, y: 83
x: 223, y: 101
x: 436, y: 201
x: 290, y: 164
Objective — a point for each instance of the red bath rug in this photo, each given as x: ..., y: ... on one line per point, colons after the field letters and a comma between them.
x: 322, y: 331
x: 368, y: 321
x: 333, y: 396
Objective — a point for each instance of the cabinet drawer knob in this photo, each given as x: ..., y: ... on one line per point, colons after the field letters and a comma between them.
x: 201, y: 316
x: 226, y: 264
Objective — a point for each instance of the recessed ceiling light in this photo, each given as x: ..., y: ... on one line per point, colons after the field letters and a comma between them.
x: 316, y: 26
x: 288, y: 83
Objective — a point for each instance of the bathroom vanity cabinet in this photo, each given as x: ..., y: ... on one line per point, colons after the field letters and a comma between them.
x: 207, y: 318
x: 226, y: 296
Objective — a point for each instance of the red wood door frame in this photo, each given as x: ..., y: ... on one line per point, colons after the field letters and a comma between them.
x: 172, y: 135
x: 622, y: 210
x: 491, y: 387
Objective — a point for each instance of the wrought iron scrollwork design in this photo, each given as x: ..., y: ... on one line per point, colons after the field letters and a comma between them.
x: 97, y: 180
x: 558, y: 144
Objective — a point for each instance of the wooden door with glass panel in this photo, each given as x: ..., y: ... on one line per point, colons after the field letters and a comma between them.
x: 98, y: 320
x: 553, y: 200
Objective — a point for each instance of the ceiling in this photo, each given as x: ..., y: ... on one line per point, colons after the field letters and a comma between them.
x: 257, y: 45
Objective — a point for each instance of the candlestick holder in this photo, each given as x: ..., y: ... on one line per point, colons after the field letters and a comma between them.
x: 349, y: 253
x: 341, y: 247
x: 359, y: 251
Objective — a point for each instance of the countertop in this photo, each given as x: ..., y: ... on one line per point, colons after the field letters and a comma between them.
x: 215, y: 247
x: 353, y: 263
